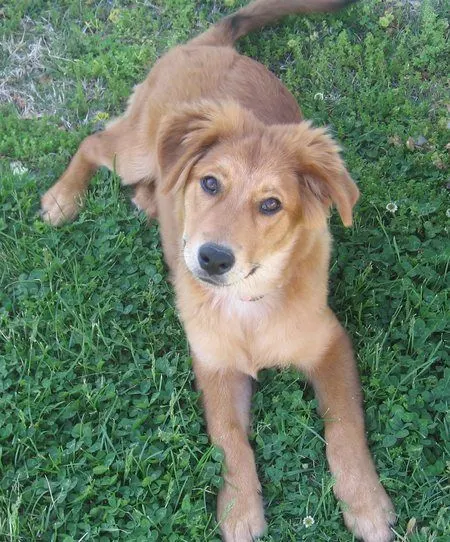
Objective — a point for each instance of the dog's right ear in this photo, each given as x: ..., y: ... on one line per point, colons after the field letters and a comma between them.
x: 186, y: 135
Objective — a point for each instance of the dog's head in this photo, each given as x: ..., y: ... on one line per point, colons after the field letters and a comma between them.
x: 252, y: 193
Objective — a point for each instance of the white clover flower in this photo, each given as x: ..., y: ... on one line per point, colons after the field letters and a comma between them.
x: 318, y: 96
x: 391, y: 207
x: 308, y: 521
x: 447, y: 213
x: 18, y: 168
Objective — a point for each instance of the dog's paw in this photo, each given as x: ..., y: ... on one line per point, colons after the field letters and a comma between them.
x: 241, y: 516
x: 371, y: 518
x: 60, y: 204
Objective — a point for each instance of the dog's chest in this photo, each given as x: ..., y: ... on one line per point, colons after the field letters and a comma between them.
x: 251, y: 335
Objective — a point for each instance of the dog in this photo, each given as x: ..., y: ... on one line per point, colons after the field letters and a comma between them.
x: 216, y: 147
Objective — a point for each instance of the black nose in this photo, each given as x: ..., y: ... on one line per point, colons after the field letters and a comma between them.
x: 215, y: 259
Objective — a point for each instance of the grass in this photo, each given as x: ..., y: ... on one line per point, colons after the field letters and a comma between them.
x: 101, y: 433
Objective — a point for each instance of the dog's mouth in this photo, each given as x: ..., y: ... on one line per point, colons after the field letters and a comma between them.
x: 220, y: 281
x: 252, y: 271
x: 209, y: 280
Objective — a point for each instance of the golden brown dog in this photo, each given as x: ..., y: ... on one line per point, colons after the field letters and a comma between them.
x: 216, y: 147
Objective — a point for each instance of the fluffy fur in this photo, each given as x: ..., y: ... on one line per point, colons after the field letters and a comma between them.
x: 204, y: 110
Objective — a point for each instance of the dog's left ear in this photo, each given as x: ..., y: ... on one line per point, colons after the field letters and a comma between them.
x: 320, y: 168
x: 186, y: 135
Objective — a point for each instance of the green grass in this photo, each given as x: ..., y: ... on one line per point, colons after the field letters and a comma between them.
x: 101, y: 432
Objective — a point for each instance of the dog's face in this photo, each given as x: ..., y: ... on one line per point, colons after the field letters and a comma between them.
x: 252, y: 194
x: 241, y: 216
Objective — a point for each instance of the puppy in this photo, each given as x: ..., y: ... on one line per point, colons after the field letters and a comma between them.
x: 216, y: 147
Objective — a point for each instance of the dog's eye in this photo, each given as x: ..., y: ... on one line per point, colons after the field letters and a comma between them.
x: 210, y: 185
x: 270, y: 206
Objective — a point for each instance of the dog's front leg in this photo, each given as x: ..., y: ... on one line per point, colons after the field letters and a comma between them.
x: 368, y: 511
x: 226, y: 398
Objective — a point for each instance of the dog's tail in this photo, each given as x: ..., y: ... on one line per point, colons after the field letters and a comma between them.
x: 259, y: 13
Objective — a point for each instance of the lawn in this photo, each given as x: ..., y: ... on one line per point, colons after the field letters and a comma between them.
x: 101, y: 430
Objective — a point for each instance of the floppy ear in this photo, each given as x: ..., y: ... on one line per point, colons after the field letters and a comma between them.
x: 320, y: 168
x: 186, y: 135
